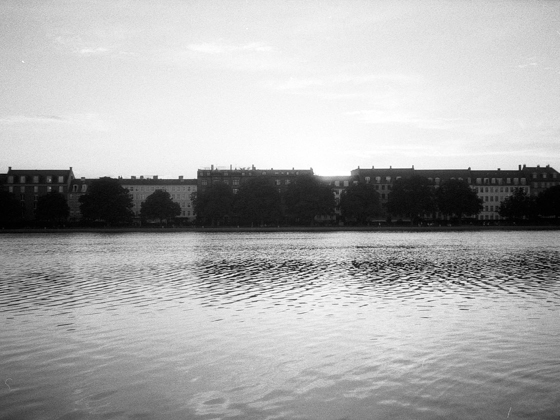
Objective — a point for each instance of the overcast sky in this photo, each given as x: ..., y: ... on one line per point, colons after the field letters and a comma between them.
x: 123, y: 88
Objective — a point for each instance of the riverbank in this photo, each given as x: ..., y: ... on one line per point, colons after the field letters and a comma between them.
x: 462, y: 228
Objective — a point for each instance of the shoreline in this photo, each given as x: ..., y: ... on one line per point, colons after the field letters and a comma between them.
x: 465, y: 228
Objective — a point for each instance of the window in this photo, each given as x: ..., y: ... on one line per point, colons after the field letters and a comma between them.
x: 36, y: 179
x: 84, y: 187
x: 49, y: 189
x: 35, y: 189
x: 345, y: 183
x: 22, y: 179
x: 22, y: 189
x: 61, y: 189
x: 368, y: 179
x: 10, y: 179
x: 60, y: 179
x: 236, y: 181
x: 203, y: 182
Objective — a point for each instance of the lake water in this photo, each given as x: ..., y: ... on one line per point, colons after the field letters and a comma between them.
x: 345, y: 325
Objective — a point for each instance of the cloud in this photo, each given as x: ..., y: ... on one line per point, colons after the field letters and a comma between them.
x: 329, y: 83
x: 88, y: 121
x: 222, y: 48
x: 76, y: 44
x: 247, y: 57
x: 388, y: 116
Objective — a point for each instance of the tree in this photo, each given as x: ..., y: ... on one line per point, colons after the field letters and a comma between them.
x: 518, y: 206
x: 548, y: 202
x: 52, y: 207
x: 360, y: 202
x: 10, y: 208
x: 214, y: 204
x: 159, y: 205
x: 305, y: 198
x: 411, y: 197
x: 455, y: 198
x: 107, y: 200
x: 258, y: 202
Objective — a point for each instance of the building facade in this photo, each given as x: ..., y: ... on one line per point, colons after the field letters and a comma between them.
x: 180, y: 189
x: 29, y: 184
x: 492, y: 186
x: 235, y: 177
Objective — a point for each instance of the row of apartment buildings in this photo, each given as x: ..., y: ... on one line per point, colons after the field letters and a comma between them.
x: 493, y: 186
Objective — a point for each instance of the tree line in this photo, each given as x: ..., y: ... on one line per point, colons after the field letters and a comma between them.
x: 258, y: 202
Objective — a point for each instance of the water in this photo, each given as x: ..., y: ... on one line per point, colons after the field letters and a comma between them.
x: 280, y: 326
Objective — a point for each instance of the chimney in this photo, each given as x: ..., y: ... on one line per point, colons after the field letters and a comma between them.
x: 133, y: 177
x: 519, y: 167
x: 155, y: 177
x: 180, y: 177
x: 230, y: 167
x: 412, y: 167
x: 83, y: 179
x: 141, y: 176
x: 212, y: 167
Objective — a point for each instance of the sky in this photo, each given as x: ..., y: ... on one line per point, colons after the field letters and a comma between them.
x: 122, y: 88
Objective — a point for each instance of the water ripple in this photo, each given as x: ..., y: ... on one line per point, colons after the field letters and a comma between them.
x: 308, y: 326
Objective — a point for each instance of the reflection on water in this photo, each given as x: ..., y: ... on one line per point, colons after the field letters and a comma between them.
x: 280, y: 325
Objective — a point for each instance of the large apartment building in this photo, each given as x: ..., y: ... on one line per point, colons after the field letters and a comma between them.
x: 493, y: 186
x: 180, y: 190
x: 236, y: 176
x: 29, y: 184
x: 140, y: 187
